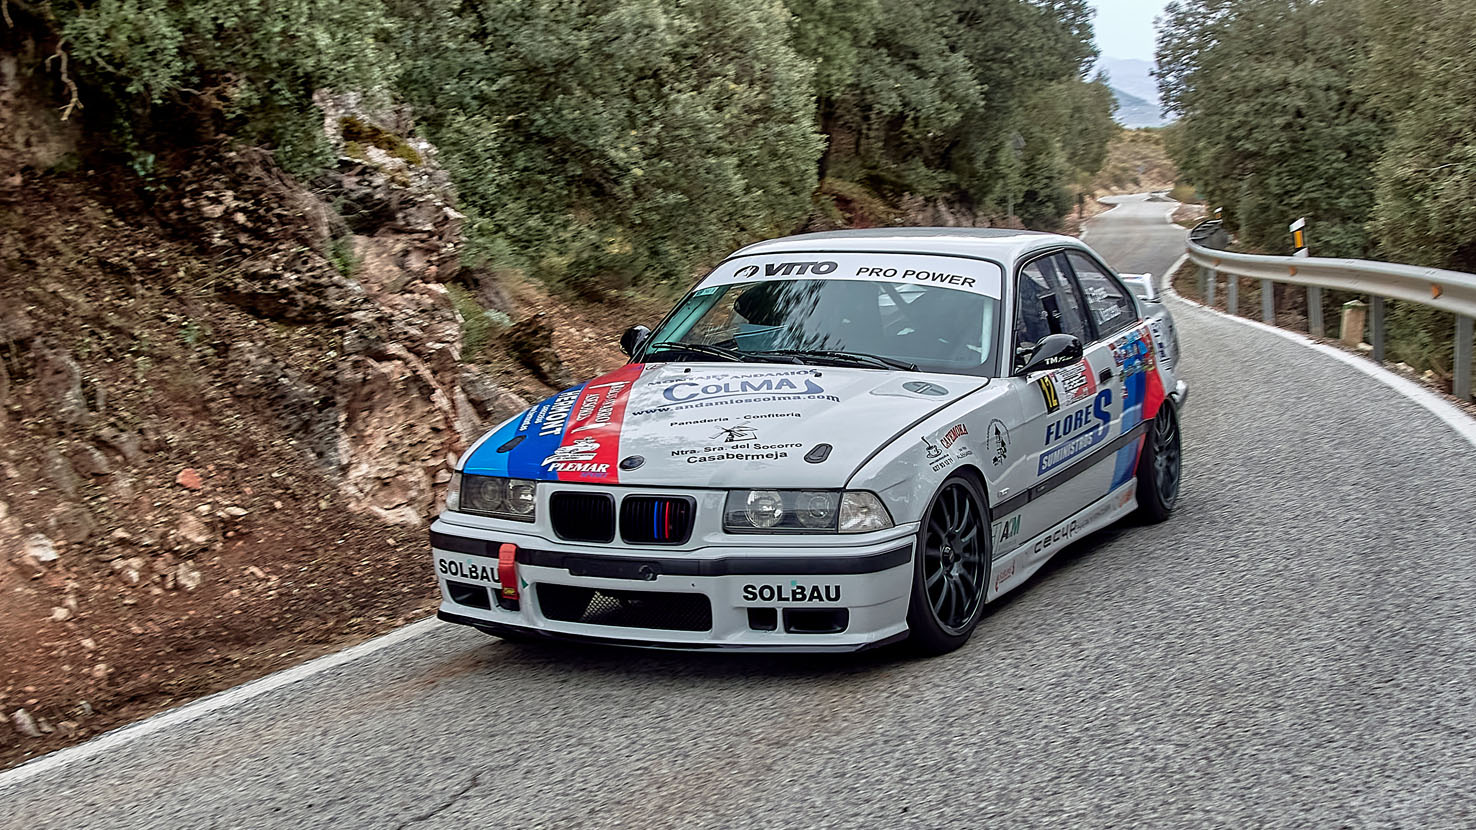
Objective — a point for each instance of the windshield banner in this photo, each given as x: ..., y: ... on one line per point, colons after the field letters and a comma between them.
x: 958, y: 273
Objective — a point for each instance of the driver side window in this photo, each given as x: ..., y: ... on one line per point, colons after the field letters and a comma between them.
x: 1046, y: 303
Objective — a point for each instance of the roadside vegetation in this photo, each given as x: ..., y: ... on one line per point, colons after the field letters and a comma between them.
x: 1354, y: 114
x: 599, y: 144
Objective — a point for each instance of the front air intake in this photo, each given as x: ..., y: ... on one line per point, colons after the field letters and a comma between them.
x: 582, y: 517
x: 657, y: 520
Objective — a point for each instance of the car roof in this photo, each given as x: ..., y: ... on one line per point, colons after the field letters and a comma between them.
x: 1002, y: 245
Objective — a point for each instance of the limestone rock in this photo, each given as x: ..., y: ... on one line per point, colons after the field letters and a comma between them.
x: 59, y: 381
x: 193, y: 532
x: 25, y: 724
x: 40, y: 549
x: 71, y: 523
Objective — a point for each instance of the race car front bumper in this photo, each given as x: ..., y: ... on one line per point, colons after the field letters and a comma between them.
x: 812, y: 598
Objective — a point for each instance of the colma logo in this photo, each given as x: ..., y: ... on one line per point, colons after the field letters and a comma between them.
x: 787, y: 269
x: 688, y: 391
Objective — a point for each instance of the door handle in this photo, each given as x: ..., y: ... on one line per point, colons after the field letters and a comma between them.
x: 1105, y: 375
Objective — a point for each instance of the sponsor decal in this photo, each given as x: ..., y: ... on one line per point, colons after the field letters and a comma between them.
x: 954, y: 433
x: 550, y: 419
x: 740, y: 443
x: 1004, y: 573
x: 917, y: 275
x: 589, y: 429
x: 1005, y: 530
x: 1076, y: 383
x: 724, y: 390
x: 1048, y: 392
x: 787, y: 269
x: 1133, y: 352
x: 1068, y: 530
x: 1069, y: 437
x: 950, y: 273
x: 741, y: 432
x: 998, y: 442
x: 936, y: 458
x: 582, y: 449
x: 693, y: 392
x: 762, y: 416
x: 470, y: 569
x: 1162, y: 331
x: 793, y: 592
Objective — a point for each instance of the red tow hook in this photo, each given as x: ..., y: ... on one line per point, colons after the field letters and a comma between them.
x: 507, y: 569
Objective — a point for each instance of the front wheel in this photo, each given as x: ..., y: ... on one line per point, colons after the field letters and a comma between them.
x: 1160, y: 467
x: 950, y: 568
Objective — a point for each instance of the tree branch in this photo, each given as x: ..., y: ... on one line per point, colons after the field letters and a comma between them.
x: 75, y: 102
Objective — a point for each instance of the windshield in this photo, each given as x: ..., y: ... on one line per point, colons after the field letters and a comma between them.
x: 932, y: 328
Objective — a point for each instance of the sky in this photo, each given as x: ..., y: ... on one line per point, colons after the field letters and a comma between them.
x: 1125, y: 27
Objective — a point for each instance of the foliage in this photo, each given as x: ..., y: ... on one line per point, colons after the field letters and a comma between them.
x: 612, y: 138
x: 984, y: 100
x: 1275, y: 125
x: 253, y: 64
x: 1422, y: 76
x: 595, y: 143
x: 1138, y: 160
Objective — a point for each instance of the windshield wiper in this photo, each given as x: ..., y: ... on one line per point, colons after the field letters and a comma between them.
x: 698, y: 349
x: 852, y: 358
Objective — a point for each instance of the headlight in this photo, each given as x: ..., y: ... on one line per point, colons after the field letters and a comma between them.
x: 863, y: 513
x: 502, y: 498
x: 803, y: 511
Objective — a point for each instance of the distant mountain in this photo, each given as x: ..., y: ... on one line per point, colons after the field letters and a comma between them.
x: 1133, y: 112
x: 1136, y: 90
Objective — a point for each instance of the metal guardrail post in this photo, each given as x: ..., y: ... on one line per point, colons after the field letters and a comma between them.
x: 1376, y: 326
x: 1451, y: 292
x: 1461, y: 384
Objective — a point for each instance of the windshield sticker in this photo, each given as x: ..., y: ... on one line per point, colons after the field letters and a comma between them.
x: 957, y: 273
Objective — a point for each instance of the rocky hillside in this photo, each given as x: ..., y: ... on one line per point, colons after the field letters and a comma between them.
x: 227, y: 398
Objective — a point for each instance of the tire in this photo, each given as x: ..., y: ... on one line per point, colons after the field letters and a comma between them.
x: 1160, y: 467
x: 950, y: 571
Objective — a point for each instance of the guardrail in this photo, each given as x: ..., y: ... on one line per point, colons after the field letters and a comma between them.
x: 1449, y: 291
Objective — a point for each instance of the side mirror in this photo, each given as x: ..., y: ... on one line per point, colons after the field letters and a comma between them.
x: 634, y: 338
x: 1052, y: 352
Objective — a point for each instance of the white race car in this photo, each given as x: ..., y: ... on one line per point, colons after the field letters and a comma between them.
x: 835, y: 441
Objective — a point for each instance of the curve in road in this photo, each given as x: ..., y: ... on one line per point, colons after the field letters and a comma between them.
x: 1293, y: 647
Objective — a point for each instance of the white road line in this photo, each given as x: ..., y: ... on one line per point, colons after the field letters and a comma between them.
x: 204, y: 706
x: 1453, y: 416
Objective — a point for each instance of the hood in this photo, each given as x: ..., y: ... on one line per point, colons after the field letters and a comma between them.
x: 714, y: 425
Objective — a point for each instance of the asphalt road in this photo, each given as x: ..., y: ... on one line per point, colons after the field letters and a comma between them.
x: 1293, y: 648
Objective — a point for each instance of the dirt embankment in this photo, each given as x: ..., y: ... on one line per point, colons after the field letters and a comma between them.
x: 228, y: 401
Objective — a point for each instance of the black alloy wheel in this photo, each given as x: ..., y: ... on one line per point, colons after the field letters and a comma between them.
x: 950, y: 568
x: 1161, y: 467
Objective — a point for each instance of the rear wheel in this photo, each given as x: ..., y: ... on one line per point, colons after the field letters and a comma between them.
x: 1160, y: 467
x: 950, y: 569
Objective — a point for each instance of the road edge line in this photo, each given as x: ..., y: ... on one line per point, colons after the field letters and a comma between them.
x: 197, y: 709
x: 1453, y: 416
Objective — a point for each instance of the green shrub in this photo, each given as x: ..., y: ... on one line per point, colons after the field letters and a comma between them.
x: 255, y: 62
